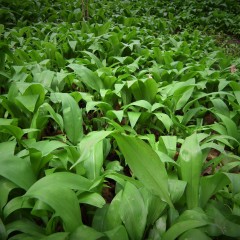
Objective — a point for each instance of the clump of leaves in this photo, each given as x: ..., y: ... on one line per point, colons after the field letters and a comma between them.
x: 116, y: 127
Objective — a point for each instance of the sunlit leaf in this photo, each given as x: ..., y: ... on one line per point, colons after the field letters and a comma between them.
x: 145, y: 164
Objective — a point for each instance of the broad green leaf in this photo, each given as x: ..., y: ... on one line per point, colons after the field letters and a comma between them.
x: 133, y: 117
x: 88, y: 144
x: 190, y: 219
x: 112, y: 114
x: 55, y: 116
x: 145, y: 164
x: 27, y: 102
x: 17, y: 170
x: 176, y: 189
x: 7, y: 148
x: 234, y: 178
x: 190, y: 114
x: 88, y: 77
x: 94, y: 162
x: 45, y: 77
x: 165, y: 119
x: 46, y: 146
x: 86, y: 233
x: 236, y: 90
x: 12, y: 130
x: 140, y: 103
x: 223, y: 221
x: 145, y: 90
x: 58, y: 186
x: 113, y: 218
x: 117, y: 233
x: 60, y: 60
x: 194, y: 234
x: 133, y: 211
x: 102, y: 105
x: 103, y: 28
x: 108, y: 217
x: 168, y: 145
x: 40, y: 119
x: 63, y: 179
x: 56, y: 236
x: 190, y: 166
x: 155, y: 206
x: 6, y: 187
x: 182, y: 95
x: 93, y: 199
x: 210, y: 185
x: 73, y: 45
x: 99, y: 218
x: 158, y: 229
x: 36, y: 89
x: 25, y: 226
x: 16, y: 204
x: 3, y: 232
x: 220, y: 107
x: 230, y: 126
x: 151, y: 88
x: 72, y: 116
x: 94, y: 59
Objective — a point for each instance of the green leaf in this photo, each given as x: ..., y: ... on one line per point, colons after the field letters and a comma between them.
x: 17, y: 170
x: 88, y: 144
x: 230, y: 125
x: 94, y: 199
x: 27, y: 102
x: 133, y: 118
x: 190, y: 166
x: 145, y: 90
x: 190, y: 219
x: 117, y: 233
x: 12, y: 130
x: 25, y: 226
x: 16, y: 204
x: 140, y: 103
x: 165, y: 119
x: 94, y: 162
x: 94, y: 59
x: 182, y: 96
x: 159, y: 228
x: 168, y: 145
x: 58, y: 186
x: 60, y: 60
x: 155, y: 206
x: 46, y: 146
x: 72, y: 116
x: 223, y: 221
x: 88, y: 77
x: 6, y: 187
x: 3, y: 232
x: 45, y: 77
x: 36, y: 89
x: 112, y: 114
x: 56, y: 236
x: 210, y: 185
x: 108, y: 217
x: 86, y: 233
x: 133, y: 211
x: 145, y: 164
x: 73, y: 45
x: 7, y: 148
x: 176, y: 188
x: 193, y: 234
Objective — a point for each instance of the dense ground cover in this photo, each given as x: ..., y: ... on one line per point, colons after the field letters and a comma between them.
x: 124, y: 126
